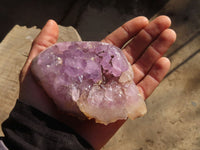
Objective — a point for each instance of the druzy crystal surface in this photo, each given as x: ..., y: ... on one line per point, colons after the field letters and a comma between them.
x: 91, y: 79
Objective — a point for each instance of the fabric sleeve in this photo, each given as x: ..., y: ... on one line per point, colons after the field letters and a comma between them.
x: 29, y: 129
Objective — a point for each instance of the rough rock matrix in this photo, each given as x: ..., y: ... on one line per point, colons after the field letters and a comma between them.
x: 90, y: 78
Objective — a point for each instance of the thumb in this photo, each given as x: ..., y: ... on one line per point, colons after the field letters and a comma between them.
x: 47, y: 37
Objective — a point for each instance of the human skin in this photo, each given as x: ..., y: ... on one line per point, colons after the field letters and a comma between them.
x: 145, y: 53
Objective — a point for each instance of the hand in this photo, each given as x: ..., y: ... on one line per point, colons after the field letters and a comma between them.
x: 144, y: 52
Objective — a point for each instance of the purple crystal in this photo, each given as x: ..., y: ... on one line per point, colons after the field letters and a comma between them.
x: 91, y: 78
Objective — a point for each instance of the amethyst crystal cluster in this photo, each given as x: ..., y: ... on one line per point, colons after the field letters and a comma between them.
x: 91, y: 79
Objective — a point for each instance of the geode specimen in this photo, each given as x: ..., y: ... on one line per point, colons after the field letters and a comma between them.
x: 90, y: 78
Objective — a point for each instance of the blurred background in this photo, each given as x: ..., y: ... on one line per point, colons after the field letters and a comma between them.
x: 173, y: 118
x: 92, y: 18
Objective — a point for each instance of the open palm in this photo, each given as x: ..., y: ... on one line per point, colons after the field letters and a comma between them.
x: 147, y: 42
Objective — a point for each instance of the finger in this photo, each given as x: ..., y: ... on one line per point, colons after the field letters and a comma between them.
x: 124, y: 33
x: 153, y: 53
x: 47, y: 37
x: 155, y: 76
x: 138, y: 45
